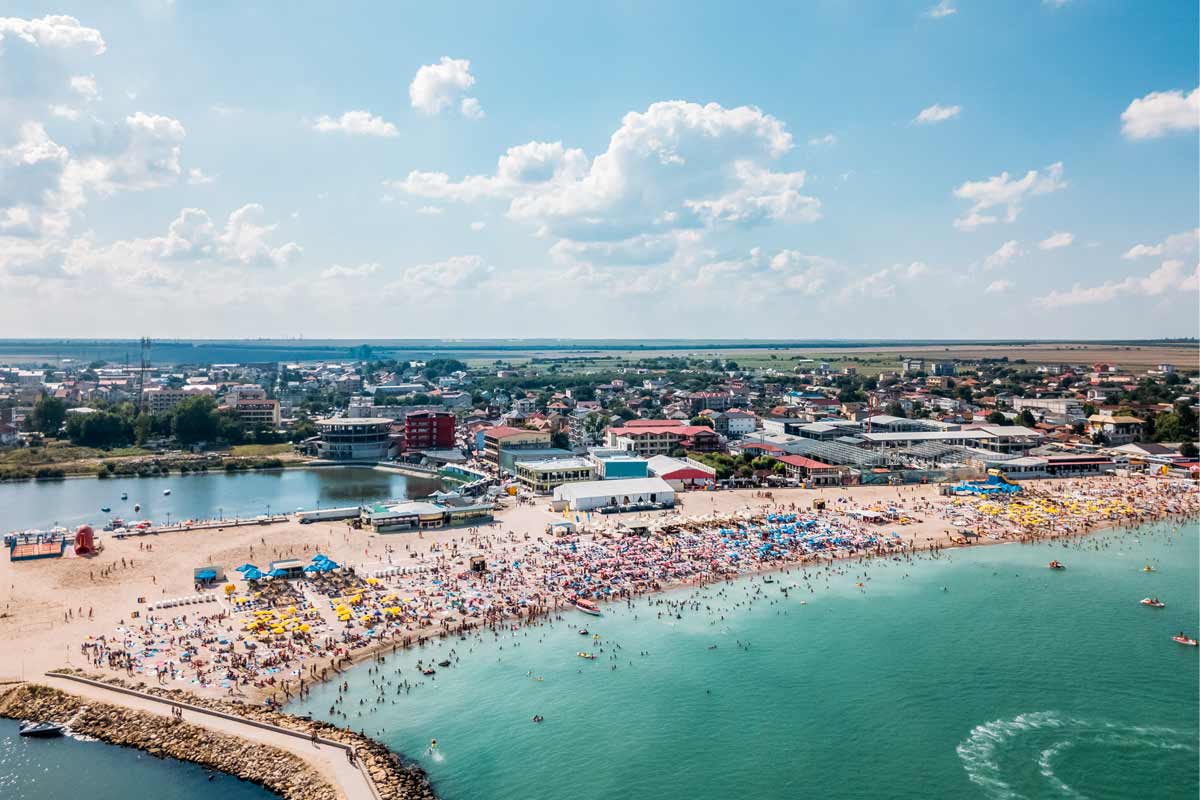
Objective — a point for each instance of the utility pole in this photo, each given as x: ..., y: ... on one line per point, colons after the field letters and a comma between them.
x: 144, y: 346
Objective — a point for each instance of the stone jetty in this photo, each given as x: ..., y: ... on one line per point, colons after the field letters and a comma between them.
x: 279, y: 771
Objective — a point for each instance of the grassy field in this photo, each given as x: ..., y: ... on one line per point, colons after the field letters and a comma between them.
x: 260, y: 450
x: 56, y: 452
x: 873, y: 359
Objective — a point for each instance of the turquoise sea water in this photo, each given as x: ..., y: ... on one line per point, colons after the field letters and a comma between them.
x: 979, y: 674
x: 53, y: 769
x: 40, y: 504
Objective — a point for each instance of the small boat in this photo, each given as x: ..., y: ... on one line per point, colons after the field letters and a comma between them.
x: 1056, y: 565
x: 588, y: 656
x: 443, y: 663
x: 1185, y: 641
x: 583, y: 631
x: 137, y: 506
x: 41, y: 730
x: 428, y: 671
x: 166, y: 492
x: 1149, y: 601
x: 105, y: 509
x: 587, y: 607
x: 1147, y: 568
x: 124, y: 495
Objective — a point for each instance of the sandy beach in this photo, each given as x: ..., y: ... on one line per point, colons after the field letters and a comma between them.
x: 257, y: 642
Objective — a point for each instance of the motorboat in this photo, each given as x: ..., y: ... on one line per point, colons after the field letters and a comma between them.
x: 105, y: 509
x: 1153, y: 603
x: 587, y: 607
x: 1185, y: 641
x: 124, y: 495
x: 41, y: 730
x: 588, y: 656
x: 166, y: 492
x: 1057, y: 565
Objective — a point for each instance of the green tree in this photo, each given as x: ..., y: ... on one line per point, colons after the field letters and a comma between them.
x: 701, y: 420
x: 48, y: 415
x: 1189, y: 450
x: 1027, y: 418
x: 997, y: 418
x: 195, y: 420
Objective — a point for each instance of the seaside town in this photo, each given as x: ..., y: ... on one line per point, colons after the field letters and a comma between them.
x: 563, y: 481
x: 670, y: 400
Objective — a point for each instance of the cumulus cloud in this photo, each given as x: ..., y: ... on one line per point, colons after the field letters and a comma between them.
x: 1002, y: 192
x: 823, y: 141
x: 944, y: 8
x: 356, y: 123
x: 995, y: 287
x: 1004, y: 254
x: 85, y: 86
x: 1056, y: 240
x: 53, y: 31
x: 936, y: 113
x: 676, y: 167
x: 431, y: 211
x: 1170, y: 276
x: 883, y: 283
x: 1160, y: 113
x: 441, y: 278
x: 442, y: 86
x: 359, y: 271
x: 1174, y: 245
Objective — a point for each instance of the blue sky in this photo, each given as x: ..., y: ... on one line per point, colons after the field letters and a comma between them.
x: 832, y: 169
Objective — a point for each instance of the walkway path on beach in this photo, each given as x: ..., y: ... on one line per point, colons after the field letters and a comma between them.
x: 329, y: 760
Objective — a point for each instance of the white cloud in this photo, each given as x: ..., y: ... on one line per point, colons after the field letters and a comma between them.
x: 1160, y: 113
x: 64, y: 112
x: 1056, y: 240
x: 883, y: 283
x: 995, y: 287
x: 85, y: 86
x: 1004, y: 254
x: 356, y: 123
x: 936, y: 113
x: 478, y: 225
x: 1174, y: 245
x: 823, y: 141
x: 471, y: 109
x: 53, y: 31
x: 440, y: 279
x: 431, y: 211
x: 1004, y: 192
x: 441, y: 86
x: 676, y: 167
x: 197, y: 177
x: 360, y: 271
x: 944, y: 8
x: 1170, y: 276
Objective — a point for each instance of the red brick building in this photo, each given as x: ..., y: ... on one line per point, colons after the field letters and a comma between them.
x: 429, y: 430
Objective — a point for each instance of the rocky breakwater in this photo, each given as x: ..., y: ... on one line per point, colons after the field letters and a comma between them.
x: 395, y: 777
x: 166, y: 737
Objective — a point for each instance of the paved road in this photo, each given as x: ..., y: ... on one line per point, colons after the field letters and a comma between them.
x: 328, y: 760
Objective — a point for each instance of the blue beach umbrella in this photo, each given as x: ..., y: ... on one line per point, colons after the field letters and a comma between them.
x: 245, y: 567
x: 253, y: 574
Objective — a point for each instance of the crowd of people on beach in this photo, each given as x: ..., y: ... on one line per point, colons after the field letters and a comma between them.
x: 285, y: 637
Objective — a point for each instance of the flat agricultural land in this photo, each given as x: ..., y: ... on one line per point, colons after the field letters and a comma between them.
x: 875, y: 358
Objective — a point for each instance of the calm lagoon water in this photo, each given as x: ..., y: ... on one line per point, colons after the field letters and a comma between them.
x: 981, y: 674
x: 39, y: 504
x: 52, y: 769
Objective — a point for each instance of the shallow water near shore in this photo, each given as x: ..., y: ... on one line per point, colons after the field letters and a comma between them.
x: 48, y: 769
x: 980, y: 674
x: 42, y: 504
